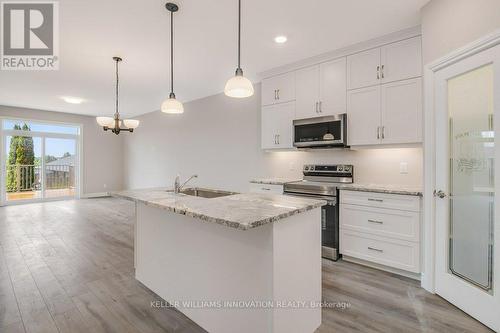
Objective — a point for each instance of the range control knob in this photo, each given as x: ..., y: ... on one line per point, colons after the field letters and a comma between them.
x: 340, y: 168
x: 306, y: 168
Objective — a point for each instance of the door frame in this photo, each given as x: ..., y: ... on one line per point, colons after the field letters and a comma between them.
x: 43, y: 135
x: 429, y: 234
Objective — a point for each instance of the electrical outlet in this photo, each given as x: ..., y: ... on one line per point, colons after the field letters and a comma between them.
x: 403, y: 168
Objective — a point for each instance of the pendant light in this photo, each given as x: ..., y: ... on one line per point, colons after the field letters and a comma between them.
x: 114, y: 124
x: 172, y: 105
x: 239, y: 86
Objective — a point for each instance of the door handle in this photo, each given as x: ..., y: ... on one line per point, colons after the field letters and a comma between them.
x: 382, y: 71
x: 320, y: 106
x: 440, y: 194
x: 378, y: 132
x: 383, y: 132
x: 278, y: 138
x: 275, y: 94
x: 378, y: 72
x: 376, y: 200
x: 278, y: 93
x: 316, y: 106
x: 375, y: 221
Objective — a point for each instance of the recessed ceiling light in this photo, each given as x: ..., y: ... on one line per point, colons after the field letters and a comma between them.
x: 280, y: 39
x: 72, y: 100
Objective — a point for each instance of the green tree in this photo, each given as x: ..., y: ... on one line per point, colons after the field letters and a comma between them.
x: 21, y: 153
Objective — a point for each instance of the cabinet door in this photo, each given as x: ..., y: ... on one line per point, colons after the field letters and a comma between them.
x: 332, y: 87
x: 307, y: 92
x: 268, y: 127
x: 284, y: 124
x: 363, y: 69
x: 402, y: 111
x: 401, y: 60
x: 278, y: 89
x: 277, y: 126
x: 363, y: 116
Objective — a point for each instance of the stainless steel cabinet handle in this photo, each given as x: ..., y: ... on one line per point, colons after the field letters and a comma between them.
x: 278, y: 94
x: 275, y: 94
x: 378, y: 72
x: 375, y: 221
x: 383, y: 132
x: 382, y: 71
x: 275, y: 142
x: 440, y: 194
x: 376, y: 200
x: 316, y: 106
x: 278, y: 138
x: 320, y: 106
x: 378, y: 132
x: 375, y: 249
x: 265, y: 189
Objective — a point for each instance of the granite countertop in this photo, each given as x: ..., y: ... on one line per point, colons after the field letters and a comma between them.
x: 239, y: 211
x: 378, y: 188
x: 274, y: 181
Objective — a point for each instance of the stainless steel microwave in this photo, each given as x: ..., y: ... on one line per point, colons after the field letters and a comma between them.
x: 321, y: 132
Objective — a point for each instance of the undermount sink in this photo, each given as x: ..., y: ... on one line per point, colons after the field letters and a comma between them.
x: 205, y: 193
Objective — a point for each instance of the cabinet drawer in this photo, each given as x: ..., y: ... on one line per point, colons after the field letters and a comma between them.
x: 266, y: 188
x: 391, y: 223
x: 381, y: 200
x: 390, y: 252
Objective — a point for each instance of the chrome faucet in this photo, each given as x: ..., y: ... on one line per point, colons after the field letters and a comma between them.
x: 177, y: 184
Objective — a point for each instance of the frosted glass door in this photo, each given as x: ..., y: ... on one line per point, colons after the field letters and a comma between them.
x: 471, y: 177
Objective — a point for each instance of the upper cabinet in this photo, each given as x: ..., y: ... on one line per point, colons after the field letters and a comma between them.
x: 393, y: 62
x: 320, y: 90
x: 363, y: 69
x: 401, y: 60
x: 278, y: 89
x: 379, y: 88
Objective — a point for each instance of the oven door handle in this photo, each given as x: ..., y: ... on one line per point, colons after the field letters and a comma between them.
x: 329, y: 200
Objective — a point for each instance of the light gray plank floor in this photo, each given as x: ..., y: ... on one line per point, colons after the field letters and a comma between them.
x: 67, y: 266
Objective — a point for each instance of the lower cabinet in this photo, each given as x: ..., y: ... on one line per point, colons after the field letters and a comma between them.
x: 266, y: 188
x: 381, y: 228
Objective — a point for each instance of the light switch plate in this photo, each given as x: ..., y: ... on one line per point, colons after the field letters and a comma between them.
x: 403, y: 168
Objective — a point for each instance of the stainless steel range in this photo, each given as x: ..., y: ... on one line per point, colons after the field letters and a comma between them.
x: 321, y: 182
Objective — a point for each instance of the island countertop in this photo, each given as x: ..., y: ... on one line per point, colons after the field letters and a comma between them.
x: 240, y: 211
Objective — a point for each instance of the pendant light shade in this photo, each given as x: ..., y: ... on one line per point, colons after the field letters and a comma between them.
x: 171, y: 104
x: 239, y: 86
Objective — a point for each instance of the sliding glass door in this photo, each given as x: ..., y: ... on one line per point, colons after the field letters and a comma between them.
x: 39, y: 161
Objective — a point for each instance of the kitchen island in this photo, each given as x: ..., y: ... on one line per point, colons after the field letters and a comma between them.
x: 236, y: 263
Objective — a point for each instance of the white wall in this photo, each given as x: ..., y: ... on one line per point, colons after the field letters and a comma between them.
x: 102, y: 151
x: 219, y: 138
x: 450, y: 24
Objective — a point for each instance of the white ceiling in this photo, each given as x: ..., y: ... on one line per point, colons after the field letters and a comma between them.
x: 92, y: 31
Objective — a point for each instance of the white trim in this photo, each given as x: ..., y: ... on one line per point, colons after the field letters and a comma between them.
x: 343, y: 52
x: 493, y: 39
x: 411, y: 275
x: 95, y: 195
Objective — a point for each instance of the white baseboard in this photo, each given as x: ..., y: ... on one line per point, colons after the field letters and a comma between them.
x: 95, y: 195
x: 411, y: 275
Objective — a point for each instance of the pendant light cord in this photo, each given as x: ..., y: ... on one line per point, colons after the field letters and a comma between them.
x: 239, y: 33
x: 117, y: 82
x: 171, y: 53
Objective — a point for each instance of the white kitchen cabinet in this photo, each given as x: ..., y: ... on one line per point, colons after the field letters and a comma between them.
x: 363, y: 69
x: 401, y: 60
x: 385, y: 114
x: 363, y: 116
x: 401, y: 112
x: 381, y: 228
x: 332, y: 87
x: 277, y: 126
x: 392, y: 62
x: 307, y: 92
x: 320, y: 90
x: 266, y: 188
x: 278, y: 89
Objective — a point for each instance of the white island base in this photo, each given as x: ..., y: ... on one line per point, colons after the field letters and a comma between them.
x: 184, y: 259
